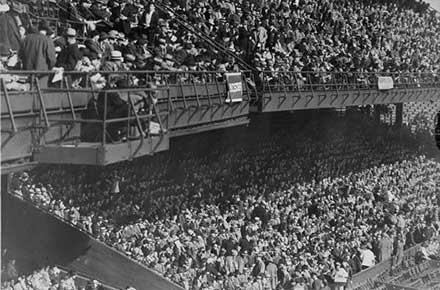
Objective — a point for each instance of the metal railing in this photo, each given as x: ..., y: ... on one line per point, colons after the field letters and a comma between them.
x: 110, y: 124
x: 288, y: 81
x: 45, y: 101
x: 160, y: 77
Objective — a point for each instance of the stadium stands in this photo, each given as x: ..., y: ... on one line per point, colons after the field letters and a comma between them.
x: 49, y: 278
x: 210, y: 223
x: 308, y: 206
x: 301, y: 35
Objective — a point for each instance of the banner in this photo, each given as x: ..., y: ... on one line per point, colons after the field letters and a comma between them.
x: 235, y: 87
x: 385, y: 83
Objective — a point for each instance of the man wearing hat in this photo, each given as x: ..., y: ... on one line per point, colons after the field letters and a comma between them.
x: 70, y: 55
x: 37, y: 51
x: 115, y: 63
x: 99, y: 10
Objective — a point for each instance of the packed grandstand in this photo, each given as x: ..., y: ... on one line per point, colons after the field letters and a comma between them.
x: 267, y: 210
x: 303, y: 205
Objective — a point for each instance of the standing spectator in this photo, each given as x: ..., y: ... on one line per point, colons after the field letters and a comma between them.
x: 149, y: 21
x: 367, y: 257
x: 385, y: 248
x: 69, y: 55
x: 38, y: 52
x: 340, y: 277
x: 9, y: 31
x: 272, y: 272
x: 400, y: 244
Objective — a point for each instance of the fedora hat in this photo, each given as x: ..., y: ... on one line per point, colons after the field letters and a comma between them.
x: 4, y: 7
x: 116, y: 55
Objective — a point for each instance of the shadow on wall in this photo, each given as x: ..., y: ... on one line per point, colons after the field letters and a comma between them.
x: 36, y: 239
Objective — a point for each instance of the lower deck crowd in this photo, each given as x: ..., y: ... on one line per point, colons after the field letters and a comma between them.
x: 302, y: 207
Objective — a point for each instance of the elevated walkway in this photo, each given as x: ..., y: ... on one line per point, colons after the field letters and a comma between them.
x: 39, y: 239
x: 49, y: 125
x: 287, y: 91
x: 69, y: 125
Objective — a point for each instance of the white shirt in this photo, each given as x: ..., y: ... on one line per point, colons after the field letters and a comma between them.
x: 148, y: 18
x: 341, y: 276
x: 367, y: 257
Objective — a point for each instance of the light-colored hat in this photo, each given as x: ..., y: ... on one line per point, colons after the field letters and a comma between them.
x: 113, y: 34
x: 71, y: 32
x: 116, y: 55
x: 4, y: 7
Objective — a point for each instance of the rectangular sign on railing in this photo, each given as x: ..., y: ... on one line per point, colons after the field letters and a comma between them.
x: 235, y: 87
x: 385, y: 83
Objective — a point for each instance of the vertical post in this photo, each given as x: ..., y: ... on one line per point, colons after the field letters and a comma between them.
x: 8, y: 104
x: 170, y: 101
x: 138, y: 121
x: 311, y: 85
x: 270, y: 89
x: 196, y: 92
x: 183, y: 95
x: 157, y: 112
x: 69, y: 98
x: 104, y: 119
x: 208, y: 94
x: 43, y: 106
x: 127, y: 134
x: 221, y: 101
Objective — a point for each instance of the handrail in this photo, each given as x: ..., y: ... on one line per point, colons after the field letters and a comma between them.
x: 318, y: 80
x: 114, y: 72
x: 378, y: 73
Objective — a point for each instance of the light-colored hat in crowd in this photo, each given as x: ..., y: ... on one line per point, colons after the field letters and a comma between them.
x: 116, y: 55
x: 113, y: 34
x: 71, y: 32
x: 4, y: 7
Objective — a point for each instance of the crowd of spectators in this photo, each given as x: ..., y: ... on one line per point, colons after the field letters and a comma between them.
x: 103, y: 36
x: 297, y: 35
x: 430, y: 250
x: 258, y: 212
x: 47, y: 278
x: 309, y: 35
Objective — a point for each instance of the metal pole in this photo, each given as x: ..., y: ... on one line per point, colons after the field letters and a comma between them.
x: 43, y: 106
x: 104, y: 119
x: 69, y: 98
x: 8, y: 104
